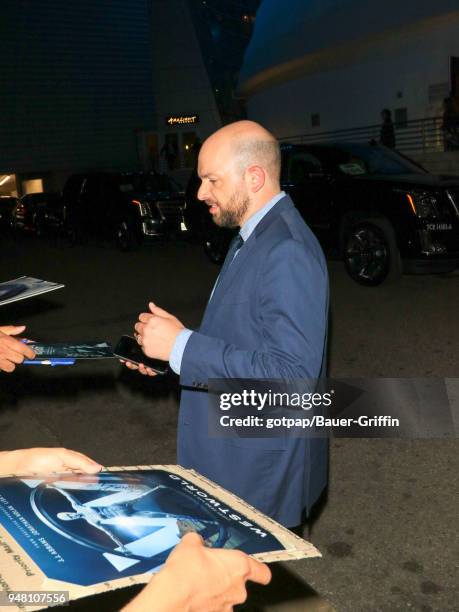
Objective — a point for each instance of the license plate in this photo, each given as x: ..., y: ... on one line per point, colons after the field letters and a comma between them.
x: 445, y: 227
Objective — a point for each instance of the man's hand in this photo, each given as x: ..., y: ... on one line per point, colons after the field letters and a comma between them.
x: 42, y: 461
x: 141, y: 368
x: 13, y: 351
x: 157, y: 331
x: 200, y: 579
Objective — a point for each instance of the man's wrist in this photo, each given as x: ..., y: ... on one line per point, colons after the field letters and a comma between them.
x: 175, y: 358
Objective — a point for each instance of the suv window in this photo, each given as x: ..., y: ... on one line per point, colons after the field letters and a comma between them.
x: 156, y: 183
x: 144, y: 183
x: 353, y: 159
x: 92, y: 186
x: 300, y: 165
x: 72, y: 187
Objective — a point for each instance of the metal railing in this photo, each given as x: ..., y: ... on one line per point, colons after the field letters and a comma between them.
x: 416, y: 136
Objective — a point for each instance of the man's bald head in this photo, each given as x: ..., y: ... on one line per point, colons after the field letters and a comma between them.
x: 248, y: 144
x: 239, y: 168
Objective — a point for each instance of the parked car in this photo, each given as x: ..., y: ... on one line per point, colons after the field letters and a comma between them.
x: 381, y: 211
x: 31, y: 209
x: 50, y: 217
x: 128, y: 207
x: 201, y: 226
x: 7, y: 204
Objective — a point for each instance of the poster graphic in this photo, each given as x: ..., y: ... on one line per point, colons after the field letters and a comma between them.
x: 86, y: 534
x: 72, y: 350
x: 87, y: 529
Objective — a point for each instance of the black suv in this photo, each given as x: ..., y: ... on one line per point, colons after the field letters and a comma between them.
x: 35, y: 210
x: 7, y: 205
x: 129, y: 207
x: 381, y: 211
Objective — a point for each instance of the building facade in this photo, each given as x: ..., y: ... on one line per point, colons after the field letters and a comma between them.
x: 198, y: 47
x: 185, y: 108
x: 327, y: 65
x: 115, y: 85
x: 77, y: 89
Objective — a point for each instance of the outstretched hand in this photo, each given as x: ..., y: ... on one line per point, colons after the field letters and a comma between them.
x: 12, y: 350
x: 43, y: 461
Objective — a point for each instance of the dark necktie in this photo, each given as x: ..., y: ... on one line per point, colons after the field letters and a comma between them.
x: 234, y: 246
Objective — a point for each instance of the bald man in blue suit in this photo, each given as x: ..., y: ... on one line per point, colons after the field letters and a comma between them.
x: 266, y: 319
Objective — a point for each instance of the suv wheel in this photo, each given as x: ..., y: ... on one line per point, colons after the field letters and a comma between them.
x: 371, y: 254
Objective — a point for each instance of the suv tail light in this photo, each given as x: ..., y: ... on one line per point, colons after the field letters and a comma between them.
x: 144, y: 208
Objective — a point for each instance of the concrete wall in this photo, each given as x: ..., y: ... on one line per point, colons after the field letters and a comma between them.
x: 182, y: 85
x: 405, y: 66
x: 439, y: 163
x: 76, y: 85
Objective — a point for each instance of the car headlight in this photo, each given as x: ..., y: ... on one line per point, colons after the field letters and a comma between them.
x: 422, y: 203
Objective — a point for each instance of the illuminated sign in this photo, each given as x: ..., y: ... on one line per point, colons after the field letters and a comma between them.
x: 181, y: 119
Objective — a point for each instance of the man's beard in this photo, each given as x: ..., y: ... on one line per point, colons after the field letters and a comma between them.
x: 233, y: 212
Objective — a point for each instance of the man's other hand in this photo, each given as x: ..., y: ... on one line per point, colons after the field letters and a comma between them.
x: 42, y: 461
x: 12, y: 350
x: 156, y: 332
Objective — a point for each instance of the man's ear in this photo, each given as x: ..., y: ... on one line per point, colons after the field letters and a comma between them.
x: 255, y: 178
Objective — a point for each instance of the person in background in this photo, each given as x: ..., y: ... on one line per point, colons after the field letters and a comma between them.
x: 450, y: 125
x: 170, y: 152
x: 387, y: 134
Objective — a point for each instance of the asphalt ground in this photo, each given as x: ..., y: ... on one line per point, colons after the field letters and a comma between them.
x: 388, y: 528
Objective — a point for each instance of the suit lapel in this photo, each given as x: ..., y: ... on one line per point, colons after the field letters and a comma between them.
x: 233, y: 269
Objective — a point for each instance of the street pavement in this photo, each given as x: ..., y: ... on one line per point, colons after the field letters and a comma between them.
x: 387, y: 528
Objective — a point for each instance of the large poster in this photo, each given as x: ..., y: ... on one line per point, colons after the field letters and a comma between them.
x: 87, y: 534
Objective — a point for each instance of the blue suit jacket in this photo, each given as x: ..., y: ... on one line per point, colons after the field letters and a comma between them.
x: 267, y: 319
